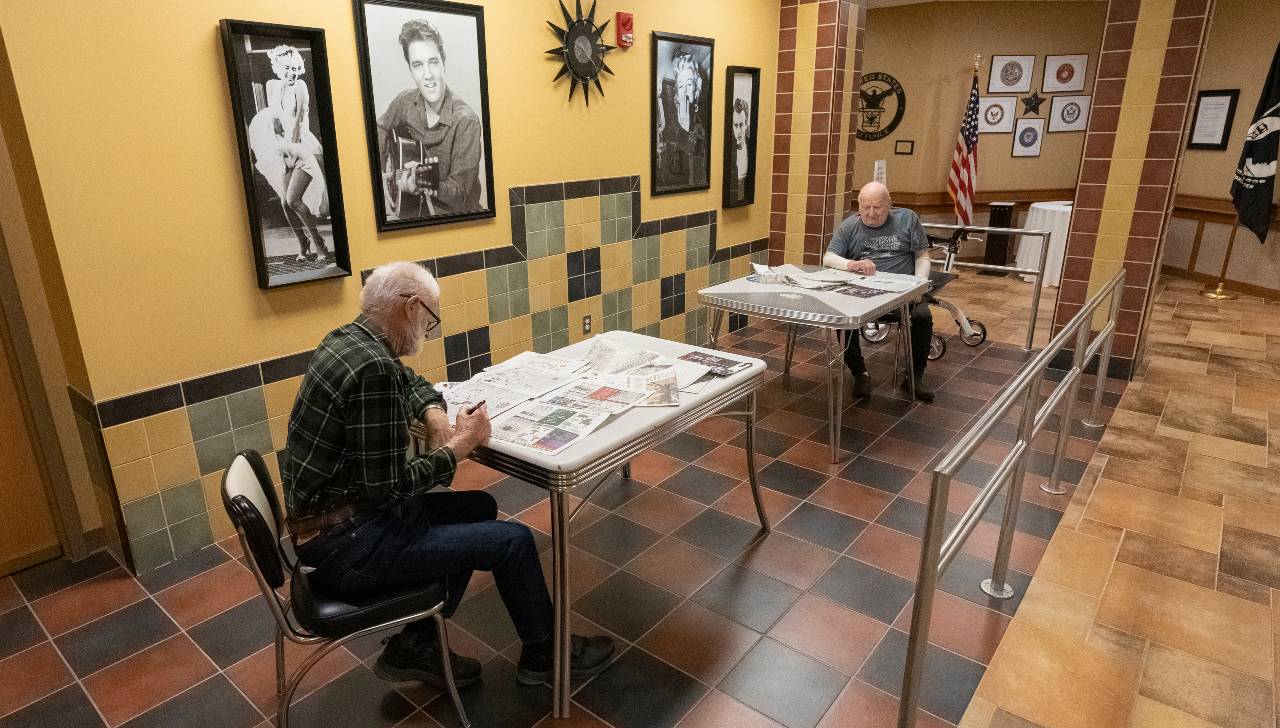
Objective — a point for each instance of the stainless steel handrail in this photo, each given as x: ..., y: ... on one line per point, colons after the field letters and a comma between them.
x: 939, y: 549
x: 1038, y: 271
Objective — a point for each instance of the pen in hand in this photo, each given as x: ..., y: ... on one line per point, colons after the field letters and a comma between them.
x: 472, y: 410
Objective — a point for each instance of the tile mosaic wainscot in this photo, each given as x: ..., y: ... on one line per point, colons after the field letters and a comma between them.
x: 577, y: 249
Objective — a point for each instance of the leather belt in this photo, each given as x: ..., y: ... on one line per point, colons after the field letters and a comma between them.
x: 308, y: 527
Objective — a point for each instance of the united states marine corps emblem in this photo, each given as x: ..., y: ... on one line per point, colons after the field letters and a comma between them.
x: 882, y: 102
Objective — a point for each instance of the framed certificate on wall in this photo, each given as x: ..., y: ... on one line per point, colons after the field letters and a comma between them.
x: 1211, y: 125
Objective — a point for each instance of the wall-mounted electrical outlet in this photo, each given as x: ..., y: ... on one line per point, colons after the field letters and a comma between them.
x: 586, y: 324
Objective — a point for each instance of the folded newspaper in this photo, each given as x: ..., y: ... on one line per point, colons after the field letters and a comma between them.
x: 546, y: 427
x: 718, y: 365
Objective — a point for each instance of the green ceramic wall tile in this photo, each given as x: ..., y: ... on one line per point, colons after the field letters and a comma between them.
x: 624, y: 320
x: 555, y: 214
x: 183, y: 502
x: 247, y: 407
x: 541, y: 323
x: 496, y: 279
x: 542, y: 344
x: 209, y: 418
x: 190, y: 535
x: 559, y: 319
x: 610, y: 302
x: 611, y: 322
x: 151, y: 551
x: 254, y: 437
x: 555, y: 241
x: 624, y: 300
x: 519, y: 302
x: 143, y: 516
x: 535, y: 217
x: 536, y: 244
x: 499, y: 307
x: 213, y: 453
x: 518, y: 276
x: 559, y: 339
x: 606, y: 207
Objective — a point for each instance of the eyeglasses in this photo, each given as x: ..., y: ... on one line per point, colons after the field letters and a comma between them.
x: 435, y: 318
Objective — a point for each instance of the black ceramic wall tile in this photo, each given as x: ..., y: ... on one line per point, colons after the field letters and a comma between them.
x: 517, y: 226
x: 142, y: 404
x: 577, y: 288
x: 575, y: 264
x: 505, y: 255
x: 648, y: 229
x: 455, y: 348
x: 591, y: 284
x: 221, y: 384
x: 614, y: 185
x: 544, y: 193
x: 275, y: 370
x: 478, y: 341
x: 671, y: 224
x: 81, y: 405
x: 582, y: 188
x: 460, y: 263
x: 591, y: 260
x: 457, y: 371
x: 515, y: 195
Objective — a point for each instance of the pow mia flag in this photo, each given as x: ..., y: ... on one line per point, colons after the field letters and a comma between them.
x: 1255, y: 178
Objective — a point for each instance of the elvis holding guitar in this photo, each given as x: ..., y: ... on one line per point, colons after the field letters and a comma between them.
x: 429, y: 140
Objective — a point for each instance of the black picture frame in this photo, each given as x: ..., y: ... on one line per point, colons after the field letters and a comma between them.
x: 285, y: 157
x: 905, y: 147
x: 740, y: 189
x: 680, y: 158
x: 401, y: 154
x: 1222, y: 136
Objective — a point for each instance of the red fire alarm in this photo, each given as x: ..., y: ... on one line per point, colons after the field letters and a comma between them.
x: 626, y: 38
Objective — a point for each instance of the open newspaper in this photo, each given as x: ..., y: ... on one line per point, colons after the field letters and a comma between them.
x: 503, y: 387
x: 546, y: 427
x: 596, y: 395
x: 548, y: 362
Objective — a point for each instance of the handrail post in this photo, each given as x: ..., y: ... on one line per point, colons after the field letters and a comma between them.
x: 1036, y: 292
x: 1053, y: 486
x: 922, y: 609
x: 997, y: 586
x: 1104, y: 359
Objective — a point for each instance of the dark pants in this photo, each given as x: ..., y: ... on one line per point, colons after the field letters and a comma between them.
x: 921, y: 333
x: 439, y: 535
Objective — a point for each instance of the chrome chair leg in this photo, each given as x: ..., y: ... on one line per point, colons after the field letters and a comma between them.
x: 279, y: 662
x: 448, y: 670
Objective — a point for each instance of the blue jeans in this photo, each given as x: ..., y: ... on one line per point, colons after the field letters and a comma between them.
x: 432, y: 536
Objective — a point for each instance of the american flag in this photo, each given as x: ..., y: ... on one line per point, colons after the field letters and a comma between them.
x: 962, y: 182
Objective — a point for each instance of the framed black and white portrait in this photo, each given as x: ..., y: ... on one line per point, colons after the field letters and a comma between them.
x: 426, y: 104
x: 680, y: 120
x: 1069, y: 113
x: 283, y: 111
x: 742, y: 96
x: 1027, y: 137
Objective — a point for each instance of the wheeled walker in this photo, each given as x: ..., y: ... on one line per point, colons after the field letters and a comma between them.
x: 972, y: 331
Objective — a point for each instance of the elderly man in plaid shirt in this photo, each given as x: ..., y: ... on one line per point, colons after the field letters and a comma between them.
x: 359, y: 508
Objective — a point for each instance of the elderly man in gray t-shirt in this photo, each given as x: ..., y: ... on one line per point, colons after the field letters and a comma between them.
x: 885, y: 238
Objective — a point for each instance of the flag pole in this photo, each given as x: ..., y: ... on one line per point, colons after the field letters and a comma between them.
x: 1221, y: 293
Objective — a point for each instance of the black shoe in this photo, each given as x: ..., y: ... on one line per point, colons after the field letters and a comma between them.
x: 862, y: 385
x: 588, y: 656
x: 410, y: 656
x: 923, y: 393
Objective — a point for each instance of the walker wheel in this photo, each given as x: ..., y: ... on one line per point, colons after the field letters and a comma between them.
x: 874, y: 332
x: 937, y: 347
x: 979, y: 333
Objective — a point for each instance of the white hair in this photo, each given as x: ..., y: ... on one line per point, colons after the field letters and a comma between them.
x: 382, y: 300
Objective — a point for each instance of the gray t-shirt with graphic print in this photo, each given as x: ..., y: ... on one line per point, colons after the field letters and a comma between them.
x: 892, y: 246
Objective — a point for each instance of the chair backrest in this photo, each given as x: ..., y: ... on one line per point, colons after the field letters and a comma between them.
x: 252, y: 506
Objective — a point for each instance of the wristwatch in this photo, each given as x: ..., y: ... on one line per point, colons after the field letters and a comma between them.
x: 435, y: 405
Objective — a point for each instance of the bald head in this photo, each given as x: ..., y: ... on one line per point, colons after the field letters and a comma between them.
x: 873, y: 204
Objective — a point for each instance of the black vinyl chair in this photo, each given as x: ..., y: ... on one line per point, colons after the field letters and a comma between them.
x: 310, y: 615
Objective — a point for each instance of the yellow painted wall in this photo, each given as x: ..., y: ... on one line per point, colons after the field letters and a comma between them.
x: 929, y: 48
x: 127, y: 107
x: 1241, y: 42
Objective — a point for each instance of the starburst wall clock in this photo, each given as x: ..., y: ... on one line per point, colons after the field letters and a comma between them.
x: 582, y: 51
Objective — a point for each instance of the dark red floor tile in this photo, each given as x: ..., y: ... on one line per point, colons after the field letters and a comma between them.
x: 718, y: 710
x: 787, y: 559
x: 851, y: 499
x: 676, y: 566
x: 732, y: 461
x: 660, y: 509
x: 255, y: 675
x: 10, y: 597
x: 585, y: 571
x: 653, y: 467
x: 31, y: 675
x: 739, y: 502
x: 77, y: 605
x: 170, y: 666
x: 114, y: 637
x: 699, y: 641
x: 909, y: 455
x: 718, y: 429
x: 863, y: 706
x: 817, y: 456
x: 887, y: 549
x: 828, y: 632
x: 961, y: 626
x: 474, y: 476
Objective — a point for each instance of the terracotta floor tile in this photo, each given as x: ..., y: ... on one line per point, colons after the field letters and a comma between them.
x: 474, y: 476
x: 1213, y: 693
x: 1144, y: 447
x: 1216, y: 627
x: 1058, y: 609
x: 739, y: 502
x: 862, y: 706
x: 660, y: 510
x: 585, y: 571
x: 1231, y: 478
x: 654, y: 467
x: 961, y: 626
x: 1177, y: 519
x: 732, y: 461
x: 676, y: 566
x: 788, y: 559
x: 539, y: 515
x: 815, y: 456
x: 1253, y: 516
x: 1250, y: 555
x: 170, y: 667
x: 1142, y: 474
x: 826, y: 631
x: 256, y: 675
x: 851, y: 499
x: 885, y: 548
x: 1148, y: 713
x: 1168, y: 558
x: 699, y: 641
x: 1093, y: 688
x: 718, y: 710
x: 203, y: 596
x: 31, y: 675
x: 909, y: 455
x: 1025, y: 555
x: 74, y: 606
x: 1077, y: 561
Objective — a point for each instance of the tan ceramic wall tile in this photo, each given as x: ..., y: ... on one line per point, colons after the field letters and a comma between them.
x: 167, y: 430
x: 281, y: 395
x: 1216, y: 627
x: 134, y: 480
x: 1210, y: 692
x: 176, y: 466
x: 1077, y: 561
x: 1186, y: 522
x: 211, y: 484
x: 279, y: 431
x: 125, y: 443
x: 1092, y: 688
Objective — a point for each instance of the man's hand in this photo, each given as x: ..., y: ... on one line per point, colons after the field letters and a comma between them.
x: 861, y: 267
x: 405, y: 178
x: 472, y: 430
x: 439, y: 431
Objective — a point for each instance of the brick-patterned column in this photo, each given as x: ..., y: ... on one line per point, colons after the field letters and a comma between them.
x: 819, y: 69
x: 1124, y: 197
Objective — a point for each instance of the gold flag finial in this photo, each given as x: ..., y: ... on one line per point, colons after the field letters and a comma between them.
x: 977, y: 61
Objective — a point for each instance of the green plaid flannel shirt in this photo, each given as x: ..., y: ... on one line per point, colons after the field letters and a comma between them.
x: 349, y: 430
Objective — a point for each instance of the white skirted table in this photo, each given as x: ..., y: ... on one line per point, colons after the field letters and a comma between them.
x: 1056, y: 218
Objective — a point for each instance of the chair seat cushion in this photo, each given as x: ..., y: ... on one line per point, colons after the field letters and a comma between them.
x: 334, y: 615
